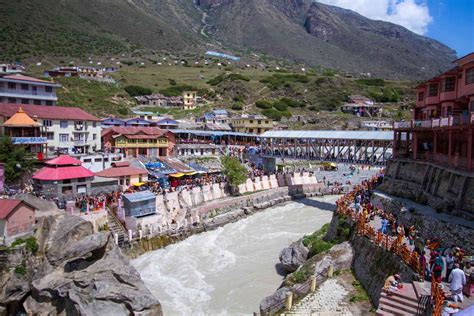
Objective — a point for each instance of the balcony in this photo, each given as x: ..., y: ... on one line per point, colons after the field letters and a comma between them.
x: 18, y: 93
x: 447, y: 96
x: 432, y: 100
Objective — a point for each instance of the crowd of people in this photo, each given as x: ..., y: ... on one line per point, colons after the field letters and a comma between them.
x: 443, y: 264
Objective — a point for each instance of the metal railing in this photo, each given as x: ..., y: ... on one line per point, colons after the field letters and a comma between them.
x: 452, y: 120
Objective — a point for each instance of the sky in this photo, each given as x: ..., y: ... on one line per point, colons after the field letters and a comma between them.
x: 449, y: 21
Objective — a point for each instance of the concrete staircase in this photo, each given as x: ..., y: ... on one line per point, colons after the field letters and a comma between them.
x: 401, y: 303
x: 116, y: 227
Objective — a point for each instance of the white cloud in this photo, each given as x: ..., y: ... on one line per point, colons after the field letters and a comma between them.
x: 412, y: 14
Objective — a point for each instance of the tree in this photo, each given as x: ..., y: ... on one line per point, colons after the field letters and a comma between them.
x: 17, y: 160
x: 235, y: 172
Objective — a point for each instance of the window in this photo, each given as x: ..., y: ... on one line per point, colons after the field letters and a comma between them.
x: 448, y: 84
x: 63, y: 138
x: 472, y: 106
x: 421, y: 96
x: 12, y: 85
x: 94, y: 136
x: 49, y: 102
x: 24, y: 86
x: 67, y: 181
x: 25, y: 101
x: 11, y: 100
x: 87, y: 160
x: 63, y: 124
x: 98, y: 160
x: 48, y: 89
x: 470, y: 75
x: 251, y: 121
x: 259, y: 122
x: 50, y: 135
x: 47, y: 123
x: 433, y: 91
x: 37, y: 102
x: 94, y: 124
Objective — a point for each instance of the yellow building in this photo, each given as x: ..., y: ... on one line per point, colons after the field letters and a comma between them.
x: 189, y: 100
x: 253, y: 124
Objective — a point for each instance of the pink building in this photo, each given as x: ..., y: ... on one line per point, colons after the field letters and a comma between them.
x: 17, y: 218
x: 442, y: 129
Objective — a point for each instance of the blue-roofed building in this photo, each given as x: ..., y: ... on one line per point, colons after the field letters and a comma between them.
x: 139, y: 204
x: 167, y: 123
x: 138, y: 122
x: 112, y: 121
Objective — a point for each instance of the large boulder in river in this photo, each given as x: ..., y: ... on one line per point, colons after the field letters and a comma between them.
x: 293, y: 256
x: 275, y: 302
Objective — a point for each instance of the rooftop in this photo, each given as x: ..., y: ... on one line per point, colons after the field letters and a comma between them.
x: 50, y: 173
x: 47, y: 112
x: 121, y: 169
x: 9, y: 205
x: 21, y: 119
x: 19, y: 77
x: 354, y: 135
x: 134, y: 130
x: 64, y: 160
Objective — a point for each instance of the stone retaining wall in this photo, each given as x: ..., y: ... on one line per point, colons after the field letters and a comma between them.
x: 445, y: 190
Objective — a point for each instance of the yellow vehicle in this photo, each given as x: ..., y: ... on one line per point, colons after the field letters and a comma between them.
x: 329, y: 166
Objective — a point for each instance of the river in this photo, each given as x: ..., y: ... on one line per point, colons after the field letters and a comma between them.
x: 228, y: 271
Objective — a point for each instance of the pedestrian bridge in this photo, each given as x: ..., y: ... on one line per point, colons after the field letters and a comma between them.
x: 359, y: 147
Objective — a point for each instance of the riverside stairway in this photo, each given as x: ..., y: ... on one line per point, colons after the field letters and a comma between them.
x: 403, y: 302
x: 115, y: 227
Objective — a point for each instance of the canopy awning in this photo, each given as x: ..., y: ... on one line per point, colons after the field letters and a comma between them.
x: 177, y: 175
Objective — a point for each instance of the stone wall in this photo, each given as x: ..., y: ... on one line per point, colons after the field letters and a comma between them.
x: 446, y: 190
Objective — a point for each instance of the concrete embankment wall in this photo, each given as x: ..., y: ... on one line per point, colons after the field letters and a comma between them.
x: 445, y: 190
x: 226, y: 211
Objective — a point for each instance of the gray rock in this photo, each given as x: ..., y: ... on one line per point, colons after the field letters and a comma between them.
x: 339, y: 256
x: 294, y: 256
x: 273, y: 303
x: 81, y: 273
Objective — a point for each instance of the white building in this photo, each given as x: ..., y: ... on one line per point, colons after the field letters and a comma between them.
x: 67, y: 129
x: 11, y: 69
x: 20, y: 89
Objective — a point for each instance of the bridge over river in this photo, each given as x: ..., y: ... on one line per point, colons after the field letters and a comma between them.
x: 364, y: 147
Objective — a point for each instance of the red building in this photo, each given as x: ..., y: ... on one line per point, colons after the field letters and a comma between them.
x: 17, y: 219
x: 443, y: 121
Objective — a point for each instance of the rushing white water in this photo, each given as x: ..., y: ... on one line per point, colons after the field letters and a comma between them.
x: 228, y: 271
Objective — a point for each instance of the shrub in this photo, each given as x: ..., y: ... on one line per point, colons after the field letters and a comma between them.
x: 238, y: 98
x: 172, y: 82
x: 264, y: 104
x: 277, y: 80
x: 292, y: 103
x: 372, y: 82
x: 273, y: 114
x: 237, y: 106
x: 234, y: 170
x: 238, y: 77
x: 328, y: 73
x: 21, y: 270
x: 280, y: 106
x: 216, y: 80
x: 30, y: 243
x: 313, y: 108
x: 134, y: 91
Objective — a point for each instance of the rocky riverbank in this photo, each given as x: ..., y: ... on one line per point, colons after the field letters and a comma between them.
x: 68, y: 269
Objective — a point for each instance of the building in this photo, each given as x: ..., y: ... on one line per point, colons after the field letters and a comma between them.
x: 99, y: 161
x: 23, y: 130
x: 189, y: 100
x: 167, y: 123
x: 361, y: 106
x: 160, y: 101
x: 443, y: 120
x: 218, y: 116
x: 63, y: 176
x: 139, y: 204
x: 377, y: 125
x: 138, y: 141
x: 67, y: 129
x: 125, y: 174
x: 17, y: 219
x: 20, y: 89
x: 11, y: 69
x: 89, y: 73
x: 257, y: 124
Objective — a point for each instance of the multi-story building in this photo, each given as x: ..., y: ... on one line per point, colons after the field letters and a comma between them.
x: 253, y: 124
x: 189, y: 100
x: 138, y: 141
x: 67, y: 129
x: 443, y: 122
x: 20, y: 89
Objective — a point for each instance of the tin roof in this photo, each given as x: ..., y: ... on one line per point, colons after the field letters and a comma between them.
x: 355, y: 135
